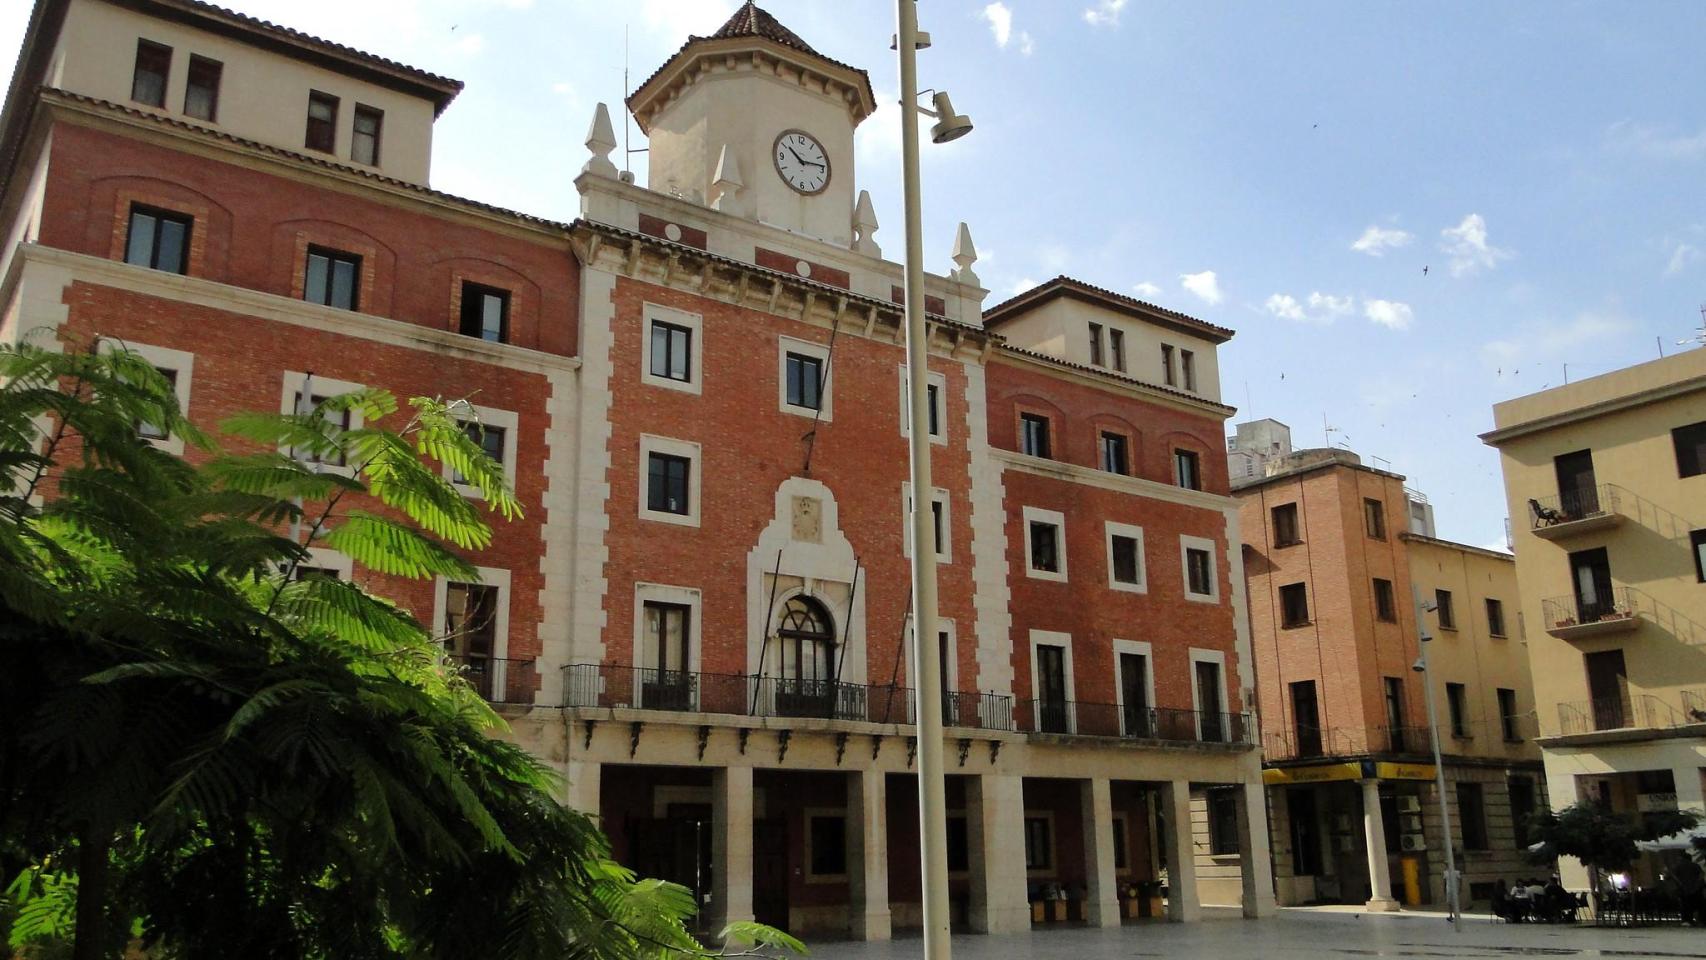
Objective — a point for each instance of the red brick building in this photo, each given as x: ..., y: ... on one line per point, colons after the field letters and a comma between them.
x: 697, y: 389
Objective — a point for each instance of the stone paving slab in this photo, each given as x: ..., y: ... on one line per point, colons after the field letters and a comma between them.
x: 1303, y: 933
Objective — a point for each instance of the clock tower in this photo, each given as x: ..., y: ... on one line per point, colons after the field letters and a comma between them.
x: 754, y: 122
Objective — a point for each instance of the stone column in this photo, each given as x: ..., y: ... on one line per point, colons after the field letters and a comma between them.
x: 581, y: 790
x: 1183, y: 903
x: 1096, y: 803
x: 995, y: 848
x: 1374, y: 834
x: 868, y: 854
x: 731, y: 845
x: 1258, y: 868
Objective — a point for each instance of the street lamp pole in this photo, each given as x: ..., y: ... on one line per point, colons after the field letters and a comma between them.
x: 926, y: 663
x: 1452, y: 891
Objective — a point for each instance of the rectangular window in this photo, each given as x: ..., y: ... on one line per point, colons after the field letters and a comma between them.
x: 1125, y: 559
x: 1523, y: 805
x: 340, y: 418
x: 1457, y: 705
x: 1294, y: 605
x: 1697, y: 539
x: 666, y: 632
x: 322, y: 132
x: 1223, y: 823
x: 1033, y: 435
x: 1187, y: 469
x: 829, y: 846
x: 1116, y: 348
x: 1374, y: 518
x: 936, y: 523
x: 1507, y: 715
x: 1167, y: 365
x: 201, y: 92
x: 1114, y: 453
x: 1039, y: 845
x: 1188, y: 366
x: 364, y: 135
x: 1395, y: 712
x: 153, y: 65
x: 672, y: 351
x: 1495, y: 617
x: 485, y: 313
x: 1096, y: 345
x: 1045, y: 547
x: 1122, y: 859
x: 158, y: 239
x: 491, y: 441
x: 471, y: 624
x: 1306, y: 718
x: 805, y: 381
x: 667, y: 483
x: 1285, y: 525
x: 933, y: 411
x: 1385, y: 605
x: 332, y: 278
x: 153, y: 431
x: 1471, y: 808
x: 1447, y: 616
x: 1199, y: 572
x: 1690, y: 444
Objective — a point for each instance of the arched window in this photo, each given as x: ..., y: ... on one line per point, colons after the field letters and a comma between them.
x: 807, y: 635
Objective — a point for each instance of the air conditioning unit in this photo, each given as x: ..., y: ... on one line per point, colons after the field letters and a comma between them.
x: 1414, y: 842
x: 1411, y: 823
x: 1409, y: 804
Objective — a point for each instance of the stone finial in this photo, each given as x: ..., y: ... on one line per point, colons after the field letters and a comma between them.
x: 726, y: 184
x: 601, y: 140
x: 865, y: 224
x: 965, y: 254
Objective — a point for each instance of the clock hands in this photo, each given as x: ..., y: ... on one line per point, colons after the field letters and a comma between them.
x: 801, y: 159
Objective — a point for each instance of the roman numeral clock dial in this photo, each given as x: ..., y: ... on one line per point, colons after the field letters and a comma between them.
x: 801, y: 162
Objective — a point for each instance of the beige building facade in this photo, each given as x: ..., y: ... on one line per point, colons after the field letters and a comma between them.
x: 1606, y: 484
x: 1340, y: 556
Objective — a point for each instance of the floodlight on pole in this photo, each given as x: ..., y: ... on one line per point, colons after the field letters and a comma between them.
x: 926, y: 664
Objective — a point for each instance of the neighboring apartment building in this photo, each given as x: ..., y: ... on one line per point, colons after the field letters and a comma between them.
x: 1335, y: 555
x: 1606, y: 480
x: 696, y: 388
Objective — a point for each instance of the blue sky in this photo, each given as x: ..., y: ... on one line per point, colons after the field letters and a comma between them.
x: 1287, y: 170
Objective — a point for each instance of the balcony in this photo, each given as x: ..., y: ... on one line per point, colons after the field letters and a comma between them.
x: 498, y: 680
x: 1576, y: 512
x: 1632, y: 712
x: 1111, y: 720
x: 1571, y: 618
x: 1311, y: 743
x: 619, y: 686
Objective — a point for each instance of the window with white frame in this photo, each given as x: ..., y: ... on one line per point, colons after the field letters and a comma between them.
x: 941, y: 521
x: 318, y: 390
x: 671, y: 349
x: 1197, y: 557
x: 1125, y: 558
x: 178, y: 367
x: 1134, y: 687
x: 471, y: 619
x: 803, y: 381
x: 1208, y: 695
x: 1045, y: 543
x: 669, y: 480
x: 936, y: 414
x: 322, y: 562
x: 666, y: 645
x: 496, y: 432
x: 1052, y: 682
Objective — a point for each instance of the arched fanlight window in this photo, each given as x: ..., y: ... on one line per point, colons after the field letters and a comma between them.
x: 807, y: 634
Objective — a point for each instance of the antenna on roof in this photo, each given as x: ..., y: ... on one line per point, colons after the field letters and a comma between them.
x: 1328, y: 429
x: 627, y: 117
x: 1698, y: 339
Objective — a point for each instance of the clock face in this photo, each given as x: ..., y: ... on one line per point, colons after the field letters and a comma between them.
x: 801, y: 162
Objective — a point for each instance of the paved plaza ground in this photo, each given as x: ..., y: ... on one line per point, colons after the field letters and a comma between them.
x: 1304, y: 933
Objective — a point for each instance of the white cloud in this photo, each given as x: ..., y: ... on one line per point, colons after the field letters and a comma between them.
x: 1205, y: 285
x: 1644, y: 139
x: 1684, y: 256
x: 1389, y: 313
x: 1000, y: 19
x: 1376, y: 240
x: 1316, y: 308
x: 471, y: 45
x: 1146, y: 289
x: 1468, y: 248
x: 683, y: 17
x: 1020, y: 286
x: 1549, y: 340
x: 1105, y: 13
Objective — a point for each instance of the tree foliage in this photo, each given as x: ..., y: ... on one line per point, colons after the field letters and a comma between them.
x: 1598, y: 837
x: 207, y: 755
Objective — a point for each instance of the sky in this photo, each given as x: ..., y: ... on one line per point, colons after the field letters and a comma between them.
x: 1408, y: 211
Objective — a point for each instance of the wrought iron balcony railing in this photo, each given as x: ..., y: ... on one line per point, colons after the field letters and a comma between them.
x: 1575, y: 617
x: 1575, y: 511
x: 1084, y: 719
x: 499, y: 680
x: 1630, y: 712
